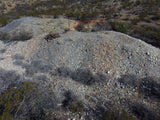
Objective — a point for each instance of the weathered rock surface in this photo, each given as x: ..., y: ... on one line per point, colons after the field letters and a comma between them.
x: 97, y: 67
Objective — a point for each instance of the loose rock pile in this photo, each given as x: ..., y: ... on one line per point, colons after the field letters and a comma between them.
x: 92, y: 68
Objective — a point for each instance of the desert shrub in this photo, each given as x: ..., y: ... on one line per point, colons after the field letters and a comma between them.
x: 142, y: 16
x: 4, y: 20
x: 135, y: 21
x: 129, y: 81
x: 22, y: 36
x: 7, y: 78
x: 126, y: 3
x: 143, y: 112
x: 80, y: 27
x: 138, y: 2
x: 150, y: 88
x: 108, y: 15
x: 117, y: 115
x: 33, y: 13
x: 11, y: 100
x: 101, y: 27
x: 156, y: 17
x: 25, y: 100
x: 120, y: 26
x: 76, y: 107
x: 93, y: 14
x: 71, y: 102
x: 148, y: 34
x: 84, y: 16
x: 35, y: 67
x: 4, y: 36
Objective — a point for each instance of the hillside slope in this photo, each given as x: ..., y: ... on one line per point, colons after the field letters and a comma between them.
x: 97, y: 69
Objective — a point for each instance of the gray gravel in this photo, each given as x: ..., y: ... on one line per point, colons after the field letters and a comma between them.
x: 90, y: 64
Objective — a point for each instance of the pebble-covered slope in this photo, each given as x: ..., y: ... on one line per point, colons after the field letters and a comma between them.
x: 95, y: 66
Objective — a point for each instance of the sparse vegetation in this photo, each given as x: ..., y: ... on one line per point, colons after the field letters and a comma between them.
x: 120, y: 26
x: 4, y: 36
x: 4, y: 21
x: 12, y: 99
x: 80, y: 27
x: 76, y: 107
x: 118, y: 115
x: 146, y: 11
x: 148, y: 34
x: 143, y: 112
x: 23, y: 100
x: 22, y: 36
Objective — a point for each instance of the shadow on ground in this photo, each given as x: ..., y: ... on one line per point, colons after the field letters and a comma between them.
x: 143, y: 112
x: 83, y: 76
x: 33, y: 67
x: 147, y: 86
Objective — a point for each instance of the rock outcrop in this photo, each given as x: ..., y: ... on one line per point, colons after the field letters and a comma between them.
x: 96, y: 67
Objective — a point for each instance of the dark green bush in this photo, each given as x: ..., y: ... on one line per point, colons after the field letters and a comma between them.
x: 148, y: 32
x: 117, y: 115
x: 76, y: 107
x: 4, y: 36
x: 138, y: 2
x: 143, y: 112
x: 126, y: 3
x: 80, y: 27
x: 12, y: 99
x: 120, y: 26
x: 22, y: 36
x: 4, y: 21
x: 24, y: 100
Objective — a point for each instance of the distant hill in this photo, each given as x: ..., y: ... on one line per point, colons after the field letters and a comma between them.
x: 139, y: 18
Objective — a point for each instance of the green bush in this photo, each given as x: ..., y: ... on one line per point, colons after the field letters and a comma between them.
x: 120, y: 26
x: 126, y: 3
x: 148, y: 32
x: 4, y: 21
x: 4, y: 36
x: 12, y: 99
x: 138, y: 2
x: 22, y: 36
x: 117, y: 115
x: 80, y: 27
x: 78, y: 107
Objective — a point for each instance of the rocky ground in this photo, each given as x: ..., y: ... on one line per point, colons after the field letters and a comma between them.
x: 95, y: 69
